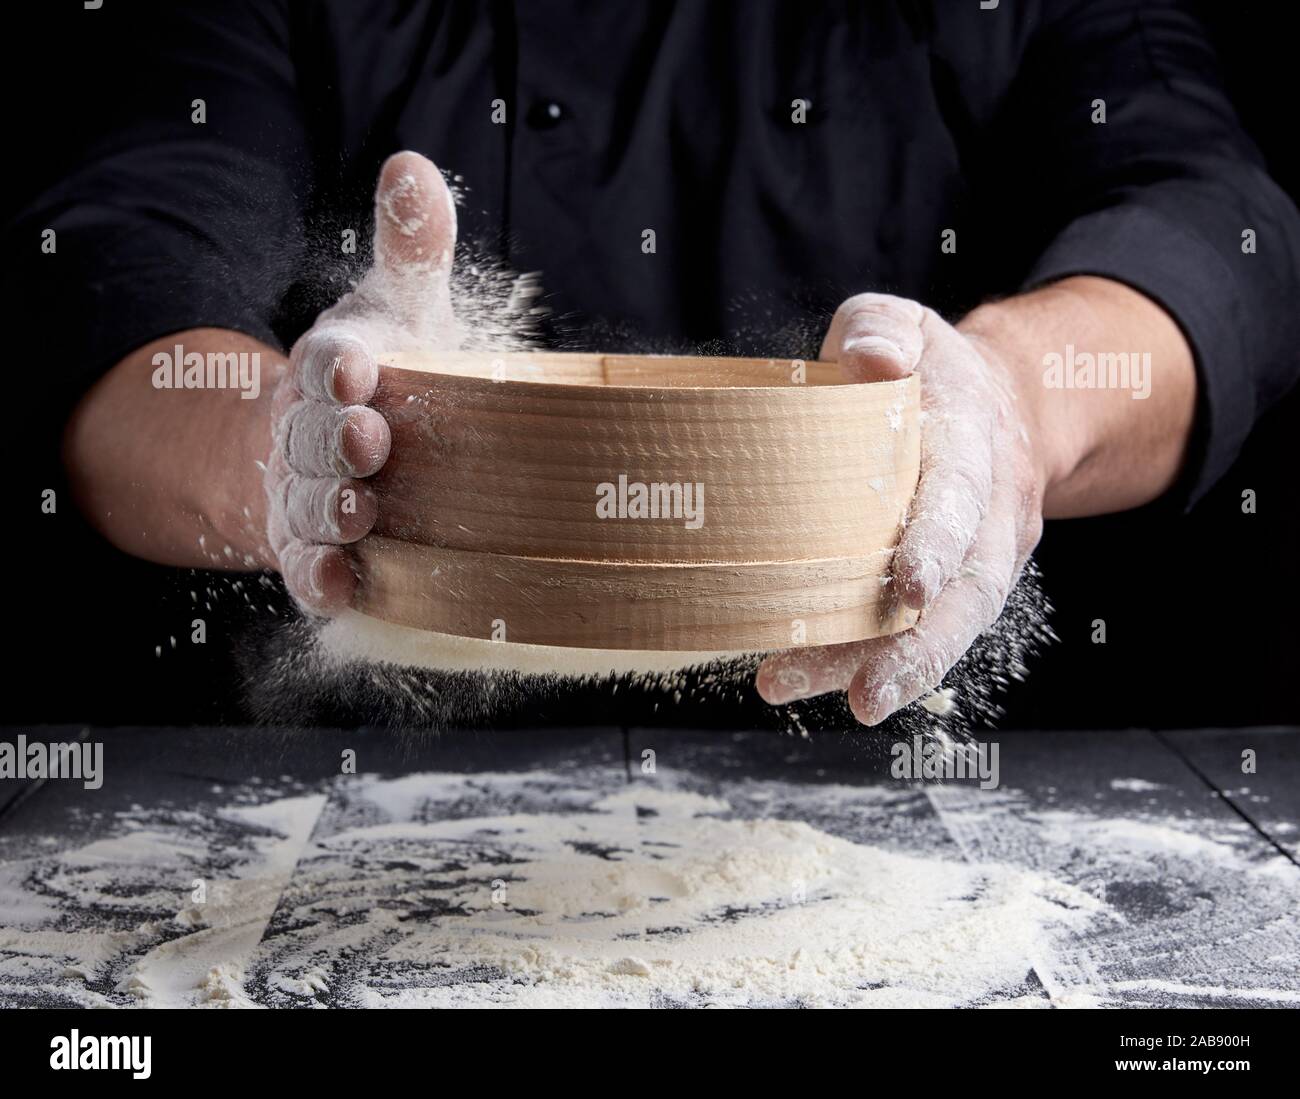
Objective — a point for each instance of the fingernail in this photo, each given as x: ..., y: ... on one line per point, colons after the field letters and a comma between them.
x: 794, y: 683
x: 316, y: 578
x: 332, y: 379
x: 928, y: 581
x: 877, y: 346
x: 886, y: 704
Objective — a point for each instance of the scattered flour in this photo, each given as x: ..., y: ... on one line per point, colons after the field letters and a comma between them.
x: 659, y: 897
x: 184, y: 953
x: 1211, y: 992
x: 940, y: 702
x: 1134, y: 785
x: 355, y: 636
x: 577, y: 888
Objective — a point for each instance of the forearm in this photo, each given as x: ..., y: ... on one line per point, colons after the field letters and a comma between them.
x: 171, y: 474
x: 1101, y: 449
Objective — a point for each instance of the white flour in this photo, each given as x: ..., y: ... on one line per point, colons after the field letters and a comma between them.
x: 577, y: 888
x: 419, y: 680
x: 1134, y: 785
x: 814, y: 919
x: 397, y: 676
x: 187, y: 954
x: 356, y: 636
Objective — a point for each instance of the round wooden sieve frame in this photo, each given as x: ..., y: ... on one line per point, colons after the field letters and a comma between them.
x: 488, y: 525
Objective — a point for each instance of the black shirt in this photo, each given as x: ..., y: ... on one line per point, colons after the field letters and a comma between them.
x: 786, y: 155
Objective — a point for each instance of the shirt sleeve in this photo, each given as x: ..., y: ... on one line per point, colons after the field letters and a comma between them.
x: 171, y: 213
x: 1167, y: 195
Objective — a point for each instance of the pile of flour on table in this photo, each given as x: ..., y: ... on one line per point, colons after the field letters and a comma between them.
x: 577, y: 887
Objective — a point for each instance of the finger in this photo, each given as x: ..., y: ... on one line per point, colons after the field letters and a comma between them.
x: 322, y: 440
x: 960, y: 412
x: 876, y: 337
x: 912, y: 663
x: 326, y: 509
x: 335, y: 364
x: 804, y: 673
x: 951, y: 499
x: 321, y: 578
x: 415, y: 237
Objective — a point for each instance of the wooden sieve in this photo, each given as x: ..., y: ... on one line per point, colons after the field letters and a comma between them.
x: 639, y: 502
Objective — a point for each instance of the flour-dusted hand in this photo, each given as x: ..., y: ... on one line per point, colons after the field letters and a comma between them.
x: 975, y: 518
x: 326, y: 440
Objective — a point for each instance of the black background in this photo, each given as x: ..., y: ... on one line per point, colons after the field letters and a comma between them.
x: 1200, y: 609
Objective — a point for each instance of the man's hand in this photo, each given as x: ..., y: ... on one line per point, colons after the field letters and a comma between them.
x: 326, y: 440
x: 203, y: 478
x: 975, y: 518
x: 999, y: 451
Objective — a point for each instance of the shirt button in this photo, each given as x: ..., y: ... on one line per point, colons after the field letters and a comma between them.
x: 546, y: 114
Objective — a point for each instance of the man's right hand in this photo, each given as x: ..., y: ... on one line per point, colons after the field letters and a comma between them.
x: 326, y: 440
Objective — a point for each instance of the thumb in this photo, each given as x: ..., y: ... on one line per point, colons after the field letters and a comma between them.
x: 875, y: 338
x: 415, y: 236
